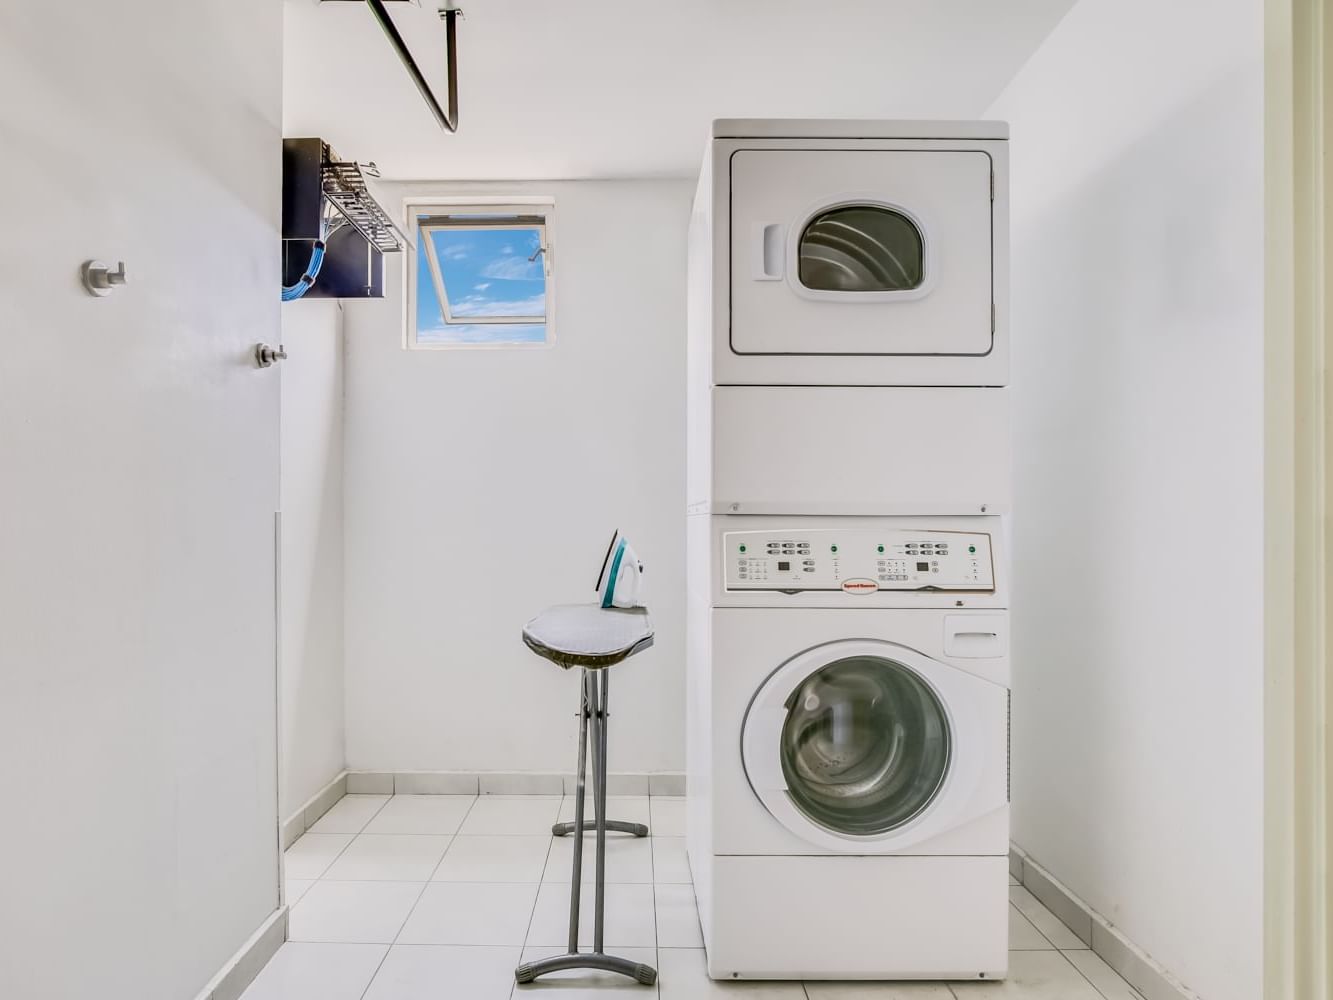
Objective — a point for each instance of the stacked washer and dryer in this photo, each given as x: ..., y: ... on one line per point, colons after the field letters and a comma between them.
x: 849, y: 480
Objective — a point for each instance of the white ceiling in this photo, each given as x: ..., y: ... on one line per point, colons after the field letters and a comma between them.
x: 626, y: 88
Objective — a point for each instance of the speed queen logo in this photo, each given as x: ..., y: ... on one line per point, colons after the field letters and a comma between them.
x: 860, y: 586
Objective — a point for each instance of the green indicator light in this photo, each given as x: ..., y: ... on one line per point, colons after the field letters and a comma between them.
x: 742, y: 548
x: 881, y: 548
x: 833, y: 548
x: 971, y: 548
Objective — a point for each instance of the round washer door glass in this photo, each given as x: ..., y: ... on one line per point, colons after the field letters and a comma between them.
x: 865, y: 746
x: 861, y: 248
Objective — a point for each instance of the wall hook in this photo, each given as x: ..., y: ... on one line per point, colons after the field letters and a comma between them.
x: 267, y: 357
x: 99, y: 279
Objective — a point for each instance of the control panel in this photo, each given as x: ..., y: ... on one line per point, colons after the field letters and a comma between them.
x: 858, y: 561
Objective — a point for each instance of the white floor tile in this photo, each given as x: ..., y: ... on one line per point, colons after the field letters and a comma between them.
x: 352, y: 912
x: 629, y: 916
x: 317, y: 972
x: 668, y: 816
x: 628, y: 859
x: 350, y: 814
x: 389, y: 857
x: 473, y: 913
x: 421, y: 814
x: 629, y: 808
x: 444, y: 972
x: 877, y: 991
x: 670, y: 863
x: 677, y: 917
x: 1102, y: 976
x: 682, y: 975
x: 1033, y: 975
x: 1023, y: 936
x: 587, y: 984
x: 295, y: 888
x: 531, y: 815
x: 1044, y: 920
x: 494, y: 859
x: 311, y: 856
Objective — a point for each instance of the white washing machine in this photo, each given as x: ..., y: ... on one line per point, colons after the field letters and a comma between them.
x: 849, y: 253
x: 848, y: 747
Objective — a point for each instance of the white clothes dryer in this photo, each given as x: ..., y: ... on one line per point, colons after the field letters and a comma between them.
x: 848, y: 319
x: 841, y: 252
x: 848, y: 748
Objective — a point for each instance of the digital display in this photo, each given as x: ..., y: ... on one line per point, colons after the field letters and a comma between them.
x: 783, y: 567
x: 923, y: 567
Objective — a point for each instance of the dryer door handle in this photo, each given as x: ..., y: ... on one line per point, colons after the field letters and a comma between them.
x: 761, y: 748
x: 770, y: 249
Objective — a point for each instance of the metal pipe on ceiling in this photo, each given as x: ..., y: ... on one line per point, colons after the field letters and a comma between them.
x: 448, y: 119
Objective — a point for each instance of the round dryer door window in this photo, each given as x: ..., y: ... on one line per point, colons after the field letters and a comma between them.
x: 865, y: 745
x: 861, y: 248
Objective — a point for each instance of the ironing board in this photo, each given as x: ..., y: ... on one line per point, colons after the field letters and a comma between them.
x: 594, y: 638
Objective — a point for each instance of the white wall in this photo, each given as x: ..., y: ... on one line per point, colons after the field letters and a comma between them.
x: 1138, y: 554
x: 139, y: 457
x: 484, y: 485
x: 311, y: 637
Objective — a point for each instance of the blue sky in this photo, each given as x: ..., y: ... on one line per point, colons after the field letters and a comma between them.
x: 486, y: 273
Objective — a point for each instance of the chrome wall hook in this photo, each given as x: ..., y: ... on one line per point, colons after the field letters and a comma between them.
x: 99, y: 279
x: 267, y: 357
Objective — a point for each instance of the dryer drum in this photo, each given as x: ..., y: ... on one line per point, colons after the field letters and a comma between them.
x: 865, y: 745
x: 861, y: 248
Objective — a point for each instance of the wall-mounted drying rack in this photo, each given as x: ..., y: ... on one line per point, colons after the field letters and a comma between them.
x: 448, y: 119
x: 344, y: 186
x: 334, y: 233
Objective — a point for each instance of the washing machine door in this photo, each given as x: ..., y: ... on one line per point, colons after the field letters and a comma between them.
x: 865, y: 742
x: 861, y: 252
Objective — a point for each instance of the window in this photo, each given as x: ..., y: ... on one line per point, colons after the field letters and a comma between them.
x: 862, y: 248
x: 482, y: 277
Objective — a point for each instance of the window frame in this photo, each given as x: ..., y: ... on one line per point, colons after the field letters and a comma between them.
x: 518, y: 215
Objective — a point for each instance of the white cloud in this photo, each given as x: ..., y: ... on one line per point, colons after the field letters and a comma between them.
x: 513, y: 269
x: 477, y: 305
x: 482, y: 287
x: 456, y: 251
x: 482, y: 333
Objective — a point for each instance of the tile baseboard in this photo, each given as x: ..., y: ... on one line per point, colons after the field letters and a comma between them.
x: 235, y: 977
x: 504, y: 783
x: 1133, y: 964
x: 315, y: 807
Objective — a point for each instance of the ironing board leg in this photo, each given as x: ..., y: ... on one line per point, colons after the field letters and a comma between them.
x: 592, y: 726
x: 612, y: 826
x: 599, y: 796
x: 638, y: 971
x: 598, y: 755
x: 585, y: 710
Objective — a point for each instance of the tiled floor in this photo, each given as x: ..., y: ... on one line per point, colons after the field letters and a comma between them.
x: 439, y: 897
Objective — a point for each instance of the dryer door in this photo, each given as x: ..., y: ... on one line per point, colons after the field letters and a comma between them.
x: 865, y: 741
x: 861, y: 252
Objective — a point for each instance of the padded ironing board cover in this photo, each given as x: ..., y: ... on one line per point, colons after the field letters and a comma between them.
x: 588, y: 635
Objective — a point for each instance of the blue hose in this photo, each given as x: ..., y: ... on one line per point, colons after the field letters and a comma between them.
x: 303, y: 283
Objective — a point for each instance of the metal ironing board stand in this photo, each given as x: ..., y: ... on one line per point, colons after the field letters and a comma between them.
x: 592, y: 728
